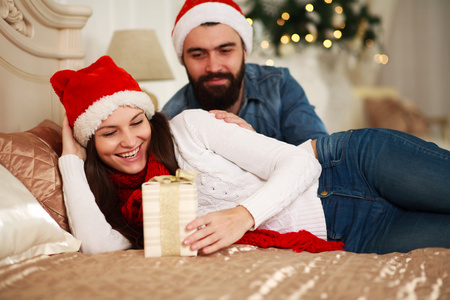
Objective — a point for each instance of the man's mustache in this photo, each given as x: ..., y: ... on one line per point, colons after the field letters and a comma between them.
x: 215, y: 76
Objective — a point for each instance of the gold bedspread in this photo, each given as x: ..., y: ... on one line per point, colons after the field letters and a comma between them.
x: 237, y: 272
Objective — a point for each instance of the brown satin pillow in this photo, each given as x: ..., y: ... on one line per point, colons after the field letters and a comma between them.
x: 32, y: 157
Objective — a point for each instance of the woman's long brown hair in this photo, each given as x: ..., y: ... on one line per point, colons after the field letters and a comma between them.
x: 161, y: 146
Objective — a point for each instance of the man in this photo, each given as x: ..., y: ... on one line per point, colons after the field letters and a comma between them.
x: 212, y: 40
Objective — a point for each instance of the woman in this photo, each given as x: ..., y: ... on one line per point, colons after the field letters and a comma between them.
x: 381, y: 190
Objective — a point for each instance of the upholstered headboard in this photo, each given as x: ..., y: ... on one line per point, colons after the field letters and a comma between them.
x: 37, y: 38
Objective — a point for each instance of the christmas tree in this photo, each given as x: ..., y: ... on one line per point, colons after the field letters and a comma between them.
x: 344, y: 23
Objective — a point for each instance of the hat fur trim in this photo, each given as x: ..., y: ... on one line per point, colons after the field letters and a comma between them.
x: 88, y: 122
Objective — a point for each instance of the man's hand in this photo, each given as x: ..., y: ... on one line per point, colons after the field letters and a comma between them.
x: 219, y: 229
x: 70, y: 145
x: 231, y: 118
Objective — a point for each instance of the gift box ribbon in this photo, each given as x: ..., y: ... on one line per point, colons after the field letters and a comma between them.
x: 169, y: 209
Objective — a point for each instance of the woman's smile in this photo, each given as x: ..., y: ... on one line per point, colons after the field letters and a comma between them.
x: 122, y: 140
x: 130, y: 155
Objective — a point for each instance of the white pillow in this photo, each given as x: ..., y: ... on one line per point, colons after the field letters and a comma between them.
x: 26, y: 229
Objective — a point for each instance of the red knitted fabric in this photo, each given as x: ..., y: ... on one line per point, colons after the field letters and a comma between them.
x: 128, y: 188
x: 297, y: 241
x: 191, y: 3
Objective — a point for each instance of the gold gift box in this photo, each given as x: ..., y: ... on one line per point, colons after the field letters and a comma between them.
x: 169, y: 204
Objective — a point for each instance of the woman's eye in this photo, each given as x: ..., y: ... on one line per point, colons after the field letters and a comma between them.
x: 106, y: 134
x: 137, y: 123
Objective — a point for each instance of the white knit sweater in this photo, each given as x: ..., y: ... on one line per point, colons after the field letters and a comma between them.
x: 276, y: 182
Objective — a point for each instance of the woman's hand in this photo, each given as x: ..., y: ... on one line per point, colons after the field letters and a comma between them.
x: 70, y: 145
x: 219, y: 229
x: 231, y: 118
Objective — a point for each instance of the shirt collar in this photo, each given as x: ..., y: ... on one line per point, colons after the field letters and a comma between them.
x: 251, y: 91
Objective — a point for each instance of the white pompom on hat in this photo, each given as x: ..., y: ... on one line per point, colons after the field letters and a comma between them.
x: 197, y: 12
x: 91, y: 94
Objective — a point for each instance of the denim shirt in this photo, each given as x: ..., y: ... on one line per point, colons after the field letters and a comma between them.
x: 273, y: 102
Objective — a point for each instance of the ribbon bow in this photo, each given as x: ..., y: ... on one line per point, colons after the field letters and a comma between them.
x: 180, y: 176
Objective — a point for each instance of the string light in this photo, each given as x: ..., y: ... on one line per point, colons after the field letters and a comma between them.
x: 285, y: 16
x: 265, y: 44
x: 285, y: 39
x: 327, y: 43
x: 309, y: 38
x: 280, y: 22
x: 270, y: 62
x: 328, y: 1
x: 381, y: 59
x: 295, y: 38
x: 250, y: 21
x: 369, y: 43
x: 338, y: 9
x: 337, y: 34
x: 309, y: 7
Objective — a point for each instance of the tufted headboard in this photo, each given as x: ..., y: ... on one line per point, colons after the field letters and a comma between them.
x: 37, y: 38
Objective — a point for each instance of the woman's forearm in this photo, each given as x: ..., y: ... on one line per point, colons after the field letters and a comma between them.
x: 86, y: 220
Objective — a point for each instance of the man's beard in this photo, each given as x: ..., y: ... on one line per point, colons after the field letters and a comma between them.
x: 218, y: 96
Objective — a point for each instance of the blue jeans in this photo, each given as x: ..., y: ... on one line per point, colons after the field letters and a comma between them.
x: 384, y: 191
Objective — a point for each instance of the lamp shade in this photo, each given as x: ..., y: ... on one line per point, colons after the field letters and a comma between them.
x: 140, y: 54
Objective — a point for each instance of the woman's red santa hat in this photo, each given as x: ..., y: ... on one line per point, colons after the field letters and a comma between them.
x: 197, y: 12
x: 91, y: 94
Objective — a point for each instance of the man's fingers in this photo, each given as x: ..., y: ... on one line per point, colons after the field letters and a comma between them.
x: 231, y: 118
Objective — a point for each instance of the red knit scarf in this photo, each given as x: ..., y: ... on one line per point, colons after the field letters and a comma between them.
x: 298, y: 241
x: 128, y: 187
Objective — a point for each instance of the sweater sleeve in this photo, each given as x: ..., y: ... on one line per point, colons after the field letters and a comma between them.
x: 288, y: 170
x: 86, y: 221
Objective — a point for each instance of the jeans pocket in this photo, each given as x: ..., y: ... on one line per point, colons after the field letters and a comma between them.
x: 354, y: 221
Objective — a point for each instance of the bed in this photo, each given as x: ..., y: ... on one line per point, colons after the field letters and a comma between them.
x: 39, y: 258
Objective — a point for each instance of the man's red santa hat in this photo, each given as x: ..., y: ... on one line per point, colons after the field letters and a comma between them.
x: 197, y: 12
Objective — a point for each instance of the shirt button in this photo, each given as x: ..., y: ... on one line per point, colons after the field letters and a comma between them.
x: 323, y: 193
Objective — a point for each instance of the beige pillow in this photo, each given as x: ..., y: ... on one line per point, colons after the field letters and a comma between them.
x: 32, y: 157
x: 395, y: 114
